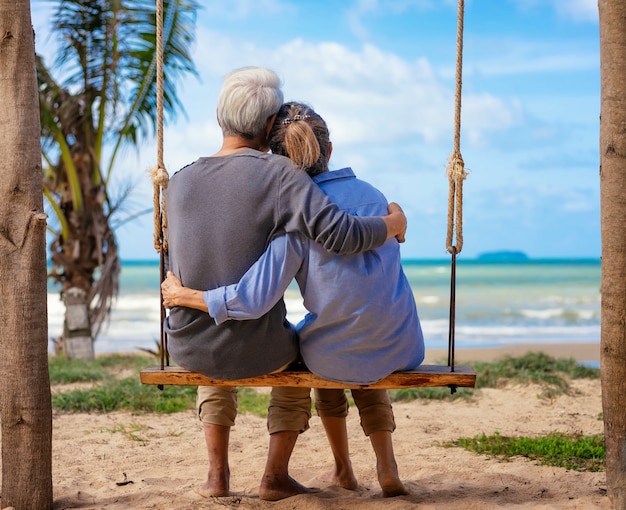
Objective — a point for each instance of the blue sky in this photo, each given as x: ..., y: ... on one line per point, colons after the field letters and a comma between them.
x: 381, y: 72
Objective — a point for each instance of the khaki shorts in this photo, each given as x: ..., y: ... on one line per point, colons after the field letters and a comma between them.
x: 289, y: 409
x: 374, y: 407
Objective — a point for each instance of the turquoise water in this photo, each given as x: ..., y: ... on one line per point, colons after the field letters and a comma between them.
x: 532, y: 301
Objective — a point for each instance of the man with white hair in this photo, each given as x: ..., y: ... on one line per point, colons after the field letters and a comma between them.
x: 222, y: 213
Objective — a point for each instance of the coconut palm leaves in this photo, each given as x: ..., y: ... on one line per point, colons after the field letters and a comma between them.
x: 98, y: 95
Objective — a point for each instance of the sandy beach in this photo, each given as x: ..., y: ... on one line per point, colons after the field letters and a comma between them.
x: 582, y: 352
x: 147, y: 461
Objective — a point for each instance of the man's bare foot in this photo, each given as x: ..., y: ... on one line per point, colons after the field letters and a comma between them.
x: 216, y: 486
x: 274, y: 489
x: 345, y: 479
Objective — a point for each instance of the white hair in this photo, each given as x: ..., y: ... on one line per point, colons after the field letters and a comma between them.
x: 248, y: 98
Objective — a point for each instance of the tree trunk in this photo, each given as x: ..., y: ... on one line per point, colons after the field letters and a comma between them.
x: 613, y: 217
x: 25, y: 403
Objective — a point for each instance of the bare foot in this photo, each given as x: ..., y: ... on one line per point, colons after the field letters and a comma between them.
x: 390, y: 482
x: 216, y: 486
x: 345, y: 479
x: 274, y: 489
x: 391, y: 485
x: 207, y: 492
x: 391, y: 491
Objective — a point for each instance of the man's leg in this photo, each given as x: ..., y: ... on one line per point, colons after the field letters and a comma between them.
x: 332, y: 408
x: 218, y: 477
x: 217, y: 409
x: 288, y: 415
x: 378, y: 424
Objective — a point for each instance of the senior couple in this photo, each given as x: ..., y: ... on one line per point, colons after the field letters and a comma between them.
x: 241, y: 225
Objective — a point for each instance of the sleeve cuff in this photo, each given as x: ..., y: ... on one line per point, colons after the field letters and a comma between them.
x: 215, y: 300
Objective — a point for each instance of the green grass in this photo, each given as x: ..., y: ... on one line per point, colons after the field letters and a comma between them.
x: 253, y: 402
x: 534, y: 367
x: 65, y: 371
x: 126, y: 394
x: 574, y: 452
x: 114, y: 384
x: 110, y: 391
x: 552, y: 374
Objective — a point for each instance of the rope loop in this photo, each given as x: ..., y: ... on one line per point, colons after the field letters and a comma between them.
x: 456, y: 175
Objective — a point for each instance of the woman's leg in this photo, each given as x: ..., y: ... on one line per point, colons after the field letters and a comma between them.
x: 332, y: 408
x: 378, y: 424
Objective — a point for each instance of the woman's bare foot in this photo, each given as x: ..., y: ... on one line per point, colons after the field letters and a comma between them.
x: 274, y: 489
x: 341, y: 478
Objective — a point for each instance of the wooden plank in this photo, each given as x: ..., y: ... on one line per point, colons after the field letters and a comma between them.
x: 425, y: 375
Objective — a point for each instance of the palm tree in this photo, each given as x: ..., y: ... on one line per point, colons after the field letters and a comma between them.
x: 100, y: 94
x: 613, y: 215
x: 25, y: 402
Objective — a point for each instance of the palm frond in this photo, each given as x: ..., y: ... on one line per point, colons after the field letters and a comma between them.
x: 101, y: 90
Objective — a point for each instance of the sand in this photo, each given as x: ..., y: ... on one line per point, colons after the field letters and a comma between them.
x: 130, y: 461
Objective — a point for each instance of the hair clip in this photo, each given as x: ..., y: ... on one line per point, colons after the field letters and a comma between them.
x: 289, y: 120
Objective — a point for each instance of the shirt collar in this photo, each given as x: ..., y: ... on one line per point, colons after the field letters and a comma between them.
x: 333, y: 175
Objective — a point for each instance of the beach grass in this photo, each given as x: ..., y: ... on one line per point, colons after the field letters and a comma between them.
x: 552, y: 375
x: 574, y: 452
x: 111, y: 366
x: 126, y: 394
x: 113, y: 384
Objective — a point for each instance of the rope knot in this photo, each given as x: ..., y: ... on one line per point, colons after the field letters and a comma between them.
x: 456, y: 167
x: 160, y: 177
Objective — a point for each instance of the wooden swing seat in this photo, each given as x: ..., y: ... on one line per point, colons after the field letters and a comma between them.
x: 423, y: 376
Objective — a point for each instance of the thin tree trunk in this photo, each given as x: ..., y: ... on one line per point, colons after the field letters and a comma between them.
x: 613, y: 212
x: 25, y: 403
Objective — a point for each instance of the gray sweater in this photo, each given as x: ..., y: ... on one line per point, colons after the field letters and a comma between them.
x: 222, y: 212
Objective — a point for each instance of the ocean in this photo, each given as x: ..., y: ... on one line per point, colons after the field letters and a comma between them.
x: 497, y: 303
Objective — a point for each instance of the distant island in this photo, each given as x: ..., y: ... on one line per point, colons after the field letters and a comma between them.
x: 502, y: 256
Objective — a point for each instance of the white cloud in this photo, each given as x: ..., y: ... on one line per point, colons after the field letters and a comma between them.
x: 367, y: 95
x: 517, y: 57
x: 578, y: 10
x: 583, y: 11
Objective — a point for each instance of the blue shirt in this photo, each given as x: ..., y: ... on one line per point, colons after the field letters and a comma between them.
x: 362, y: 322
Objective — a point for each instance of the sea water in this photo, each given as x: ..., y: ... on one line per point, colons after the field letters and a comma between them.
x: 497, y: 303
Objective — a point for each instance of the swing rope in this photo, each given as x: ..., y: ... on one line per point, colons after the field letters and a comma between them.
x: 456, y: 167
x: 456, y: 175
x: 160, y: 180
x: 160, y: 177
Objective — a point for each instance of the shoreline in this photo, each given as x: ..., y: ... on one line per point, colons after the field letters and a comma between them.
x: 583, y: 352
x: 587, y: 352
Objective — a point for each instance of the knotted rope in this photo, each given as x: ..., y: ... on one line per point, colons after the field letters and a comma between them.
x: 160, y: 180
x: 456, y: 167
x: 456, y: 175
x: 160, y: 177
